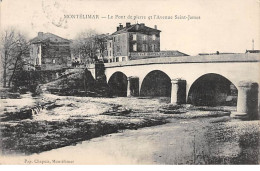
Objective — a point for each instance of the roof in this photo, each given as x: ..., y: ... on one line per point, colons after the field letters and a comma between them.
x: 220, y: 53
x: 174, y: 52
x: 252, y: 51
x: 137, y: 28
x: 49, y: 37
x: 144, y: 55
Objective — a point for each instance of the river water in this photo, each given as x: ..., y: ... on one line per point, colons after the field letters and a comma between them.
x: 202, y: 140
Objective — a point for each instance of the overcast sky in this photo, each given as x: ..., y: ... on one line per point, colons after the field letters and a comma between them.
x: 225, y: 26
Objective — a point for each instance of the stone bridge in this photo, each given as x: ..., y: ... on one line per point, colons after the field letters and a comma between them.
x: 201, y: 80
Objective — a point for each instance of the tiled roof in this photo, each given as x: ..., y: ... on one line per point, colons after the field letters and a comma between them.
x: 49, y: 37
x: 137, y: 28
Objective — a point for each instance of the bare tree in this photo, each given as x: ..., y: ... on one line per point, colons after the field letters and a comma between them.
x: 88, y: 45
x: 14, y: 47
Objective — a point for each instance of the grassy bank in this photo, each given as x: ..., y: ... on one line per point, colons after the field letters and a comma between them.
x: 64, y: 121
x: 33, y: 137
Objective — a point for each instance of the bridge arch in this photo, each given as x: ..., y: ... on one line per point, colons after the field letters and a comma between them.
x: 212, y: 89
x: 118, y: 84
x: 156, y: 84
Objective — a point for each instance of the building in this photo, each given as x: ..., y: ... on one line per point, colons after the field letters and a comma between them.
x: 49, y: 52
x: 134, y: 42
x: 131, y: 39
x: 162, y: 54
x: 110, y: 47
x: 217, y: 53
x: 252, y: 51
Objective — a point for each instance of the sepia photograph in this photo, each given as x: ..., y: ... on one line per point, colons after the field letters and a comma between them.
x: 129, y: 82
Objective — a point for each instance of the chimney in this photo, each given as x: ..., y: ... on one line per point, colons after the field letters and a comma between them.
x: 40, y: 34
x: 128, y: 25
x: 155, y: 27
x: 142, y: 25
x: 117, y: 28
x: 120, y: 26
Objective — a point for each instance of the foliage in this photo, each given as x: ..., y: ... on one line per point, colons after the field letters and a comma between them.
x: 14, y: 47
x: 88, y: 46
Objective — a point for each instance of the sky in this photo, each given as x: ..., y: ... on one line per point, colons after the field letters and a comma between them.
x: 224, y: 26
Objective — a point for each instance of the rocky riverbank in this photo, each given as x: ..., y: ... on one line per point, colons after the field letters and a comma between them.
x: 51, y: 121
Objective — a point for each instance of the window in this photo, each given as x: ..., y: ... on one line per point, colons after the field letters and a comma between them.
x: 135, y: 47
x: 123, y: 58
x: 117, y: 59
x: 38, y: 49
x: 134, y: 36
x: 145, y: 37
x: 37, y: 61
x: 110, y: 44
x: 153, y: 48
x: 143, y: 48
x: 154, y: 37
x: 118, y: 48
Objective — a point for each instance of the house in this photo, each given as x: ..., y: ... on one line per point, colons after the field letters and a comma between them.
x: 252, y: 51
x: 131, y: 39
x: 162, y: 54
x: 136, y: 41
x: 49, y: 52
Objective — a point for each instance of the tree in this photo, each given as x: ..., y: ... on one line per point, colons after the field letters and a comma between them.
x: 89, y: 45
x: 13, y: 49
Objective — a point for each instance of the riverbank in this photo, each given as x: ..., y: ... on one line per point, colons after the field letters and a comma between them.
x: 70, y: 120
x: 190, y: 141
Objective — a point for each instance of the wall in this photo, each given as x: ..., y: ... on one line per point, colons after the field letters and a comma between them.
x: 60, y: 52
x: 140, y: 41
x: 110, y: 51
x: 120, y: 45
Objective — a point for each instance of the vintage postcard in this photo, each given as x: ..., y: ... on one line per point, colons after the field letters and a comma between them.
x: 132, y: 82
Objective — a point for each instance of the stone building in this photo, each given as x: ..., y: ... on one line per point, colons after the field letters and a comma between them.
x: 110, y: 49
x: 131, y: 39
x: 136, y: 41
x: 49, y: 52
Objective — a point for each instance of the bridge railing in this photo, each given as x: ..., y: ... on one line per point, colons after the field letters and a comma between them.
x: 240, y: 57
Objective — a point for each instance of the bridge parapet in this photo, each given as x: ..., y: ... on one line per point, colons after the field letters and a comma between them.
x: 239, y: 57
x: 232, y: 67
